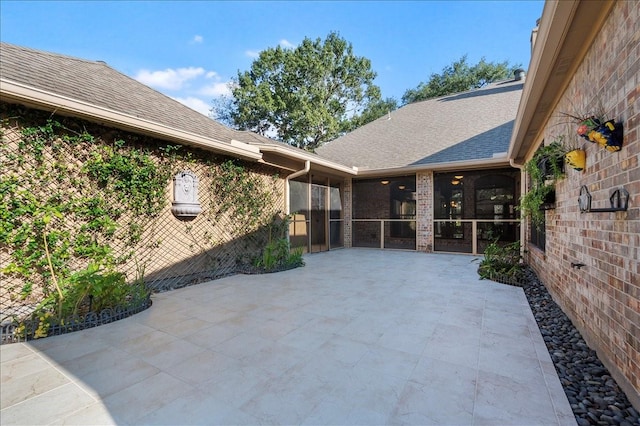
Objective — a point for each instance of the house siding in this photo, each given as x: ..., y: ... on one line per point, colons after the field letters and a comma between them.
x: 603, y: 298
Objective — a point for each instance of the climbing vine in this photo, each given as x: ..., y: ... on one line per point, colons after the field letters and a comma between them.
x: 243, y: 196
x: 78, y: 202
x: 62, y: 193
x: 132, y: 174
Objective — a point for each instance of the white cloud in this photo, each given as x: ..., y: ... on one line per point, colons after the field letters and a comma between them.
x: 216, y: 89
x: 197, y: 104
x: 197, y: 39
x: 211, y: 74
x: 286, y: 44
x: 171, y: 79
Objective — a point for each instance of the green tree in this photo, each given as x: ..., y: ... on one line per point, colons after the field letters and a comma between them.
x: 303, y: 96
x: 374, y: 111
x: 459, y: 77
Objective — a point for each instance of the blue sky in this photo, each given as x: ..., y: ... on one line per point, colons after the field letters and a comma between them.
x: 191, y: 50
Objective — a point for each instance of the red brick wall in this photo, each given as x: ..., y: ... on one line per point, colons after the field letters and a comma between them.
x: 603, y: 298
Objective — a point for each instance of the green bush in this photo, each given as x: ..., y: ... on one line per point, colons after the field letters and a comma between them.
x: 90, y: 290
x: 502, y: 263
x: 277, y: 253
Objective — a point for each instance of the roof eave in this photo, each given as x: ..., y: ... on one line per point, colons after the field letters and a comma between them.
x: 303, y: 156
x: 567, y: 29
x: 21, y: 93
x: 449, y: 165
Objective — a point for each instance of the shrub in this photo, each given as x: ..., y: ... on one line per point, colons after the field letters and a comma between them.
x: 502, y: 263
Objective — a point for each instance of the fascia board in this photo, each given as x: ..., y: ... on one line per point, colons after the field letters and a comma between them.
x: 567, y: 30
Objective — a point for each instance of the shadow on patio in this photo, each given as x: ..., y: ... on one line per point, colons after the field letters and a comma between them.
x: 356, y: 337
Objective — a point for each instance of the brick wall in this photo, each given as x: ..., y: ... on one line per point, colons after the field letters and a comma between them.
x: 603, y: 298
x: 171, y: 251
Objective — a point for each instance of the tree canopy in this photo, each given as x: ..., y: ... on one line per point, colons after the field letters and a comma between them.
x: 305, y: 96
x: 459, y: 77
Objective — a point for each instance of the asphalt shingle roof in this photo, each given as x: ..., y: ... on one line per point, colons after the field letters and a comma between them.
x: 467, y: 126
x: 96, y: 83
x: 473, y: 125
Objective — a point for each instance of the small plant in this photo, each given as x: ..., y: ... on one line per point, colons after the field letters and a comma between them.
x: 89, y: 290
x: 594, y: 127
x: 502, y: 263
x: 274, y: 253
x: 277, y: 254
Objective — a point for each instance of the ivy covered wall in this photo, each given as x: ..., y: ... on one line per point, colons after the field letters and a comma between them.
x: 75, y: 195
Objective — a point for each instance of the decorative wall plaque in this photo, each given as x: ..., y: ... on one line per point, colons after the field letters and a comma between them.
x: 185, y: 195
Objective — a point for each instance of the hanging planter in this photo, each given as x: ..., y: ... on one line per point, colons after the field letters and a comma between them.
x: 544, y: 169
x: 551, y: 166
x: 608, y: 135
x: 586, y: 126
x: 577, y: 159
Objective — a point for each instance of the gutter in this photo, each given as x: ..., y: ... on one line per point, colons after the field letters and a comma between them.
x: 523, y: 191
x: 22, y: 93
x: 303, y: 155
x: 287, y: 198
x: 565, y: 34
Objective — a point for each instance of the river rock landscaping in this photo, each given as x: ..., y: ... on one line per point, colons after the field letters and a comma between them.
x: 595, y: 397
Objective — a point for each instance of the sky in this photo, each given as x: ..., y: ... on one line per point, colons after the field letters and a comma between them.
x: 191, y: 50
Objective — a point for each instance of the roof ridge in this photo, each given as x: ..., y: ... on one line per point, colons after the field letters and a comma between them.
x: 52, y: 54
x: 472, y: 90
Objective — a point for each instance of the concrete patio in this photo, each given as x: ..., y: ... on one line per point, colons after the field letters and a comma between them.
x: 356, y: 337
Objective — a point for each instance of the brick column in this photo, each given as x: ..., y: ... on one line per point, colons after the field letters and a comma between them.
x: 347, y: 209
x: 424, y: 211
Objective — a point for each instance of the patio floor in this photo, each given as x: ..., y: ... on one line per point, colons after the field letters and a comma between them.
x: 355, y: 337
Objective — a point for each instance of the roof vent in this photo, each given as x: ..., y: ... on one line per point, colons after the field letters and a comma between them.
x: 518, y: 74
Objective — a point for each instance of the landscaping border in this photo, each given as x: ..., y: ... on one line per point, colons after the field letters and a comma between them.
x: 10, y: 331
x: 594, y: 395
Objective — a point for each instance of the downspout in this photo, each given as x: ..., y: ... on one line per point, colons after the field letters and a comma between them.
x: 287, y: 197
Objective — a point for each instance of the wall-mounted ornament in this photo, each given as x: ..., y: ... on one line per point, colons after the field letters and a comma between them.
x: 606, y: 133
x: 185, y: 196
x: 618, y: 199
x: 609, y: 135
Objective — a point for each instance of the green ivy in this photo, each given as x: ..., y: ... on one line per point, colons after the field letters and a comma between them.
x: 242, y: 196
x: 544, y: 169
x: 44, y: 230
x: 52, y: 235
x: 132, y: 174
